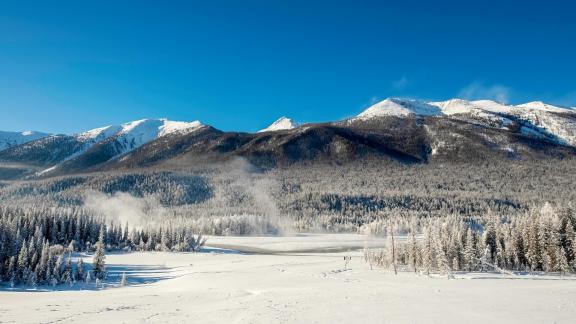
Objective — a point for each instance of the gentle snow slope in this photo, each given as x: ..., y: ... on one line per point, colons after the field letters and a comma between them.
x: 222, y: 286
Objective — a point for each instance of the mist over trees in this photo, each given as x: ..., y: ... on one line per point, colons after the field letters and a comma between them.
x: 452, y: 214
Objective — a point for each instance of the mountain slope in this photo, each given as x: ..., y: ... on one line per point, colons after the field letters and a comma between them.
x: 94, y: 146
x: 400, y: 130
x: 114, y: 141
x: 11, y: 139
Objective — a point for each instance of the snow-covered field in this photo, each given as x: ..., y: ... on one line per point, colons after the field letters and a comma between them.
x: 298, y: 279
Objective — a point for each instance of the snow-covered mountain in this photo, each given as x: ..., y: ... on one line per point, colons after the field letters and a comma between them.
x: 399, y: 107
x: 93, y: 146
x: 137, y: 133
x: 282, y: 123
x: 110, y: 142
x: 535, y: 118
x: 10, y: 139
x: 452, y: 130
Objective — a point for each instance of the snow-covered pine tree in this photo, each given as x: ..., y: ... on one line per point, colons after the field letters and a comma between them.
x: 441, y: 257
x: 562, y: 264
x: 12, y: 271
x: 22, y: 264
x: 470, y: 254
x: 99, y: 263
x: 427, y: 251
x: 413, y: 250
x: 79, y: 271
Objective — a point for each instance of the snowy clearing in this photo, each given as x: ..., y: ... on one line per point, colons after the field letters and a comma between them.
x: 297, y: 279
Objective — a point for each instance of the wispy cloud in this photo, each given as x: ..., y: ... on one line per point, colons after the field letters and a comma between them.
x: 478, y: 90
x: 401, y: 84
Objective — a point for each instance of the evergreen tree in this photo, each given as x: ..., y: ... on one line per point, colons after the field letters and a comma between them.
x: 470, y: 251
x: 79, y: 275
x: 562, y: 265
x: 99, y: 266
x: 413, y: 251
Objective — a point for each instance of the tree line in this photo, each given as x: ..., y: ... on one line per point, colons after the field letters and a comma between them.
x: 541, y: 240
x: 36, y: 245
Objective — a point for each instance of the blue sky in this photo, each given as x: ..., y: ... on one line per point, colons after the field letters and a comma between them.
x: 67, y: 66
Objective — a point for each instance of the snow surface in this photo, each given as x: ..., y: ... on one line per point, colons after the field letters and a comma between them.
x: 281, y: 124
x: 399, y: 107
x: 9, y: 139
x: 455, y: 106
x: 539, y: 105
x: 140, y: 132
x: 101, y: 133
x: 299, y: 283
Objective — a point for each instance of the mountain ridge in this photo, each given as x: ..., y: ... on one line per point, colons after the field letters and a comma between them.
x: 394, y: 129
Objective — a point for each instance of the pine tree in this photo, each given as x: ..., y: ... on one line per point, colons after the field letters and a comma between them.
x: 67, y: 276
x: 427, y: 251
x: 79, y: 276
x: 470, y: 251
x: 57, y: 269
x: 562, y: 265
x: 22, y: 264
x: 99, y: 266
x: 441, y: 258
x: 413, y: 251
x: 12, y: 271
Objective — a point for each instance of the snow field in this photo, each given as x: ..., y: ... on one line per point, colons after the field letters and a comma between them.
x: 288, y: 286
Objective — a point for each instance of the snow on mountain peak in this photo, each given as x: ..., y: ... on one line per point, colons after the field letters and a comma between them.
x: 539, y: 105
x: 282, y: 123
x: 99, y: 133
x: 455, y: 106
x: 399, y: 107
x: 170, y: 127
x: 493, y: 106
x: 143, y: 128
x: 139, y: 132
x: 9, y: 139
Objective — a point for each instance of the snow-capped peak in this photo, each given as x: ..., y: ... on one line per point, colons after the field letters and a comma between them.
x: 493, y: 106
x: 539, y: 105
x: 455, y: 106
x: 399, y: 107
x: 9, y: 139
x: 282, y: 123
x: 140, y: 132
x: 170, y: 126
x: 99, y: 133
x: 149, y: 128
